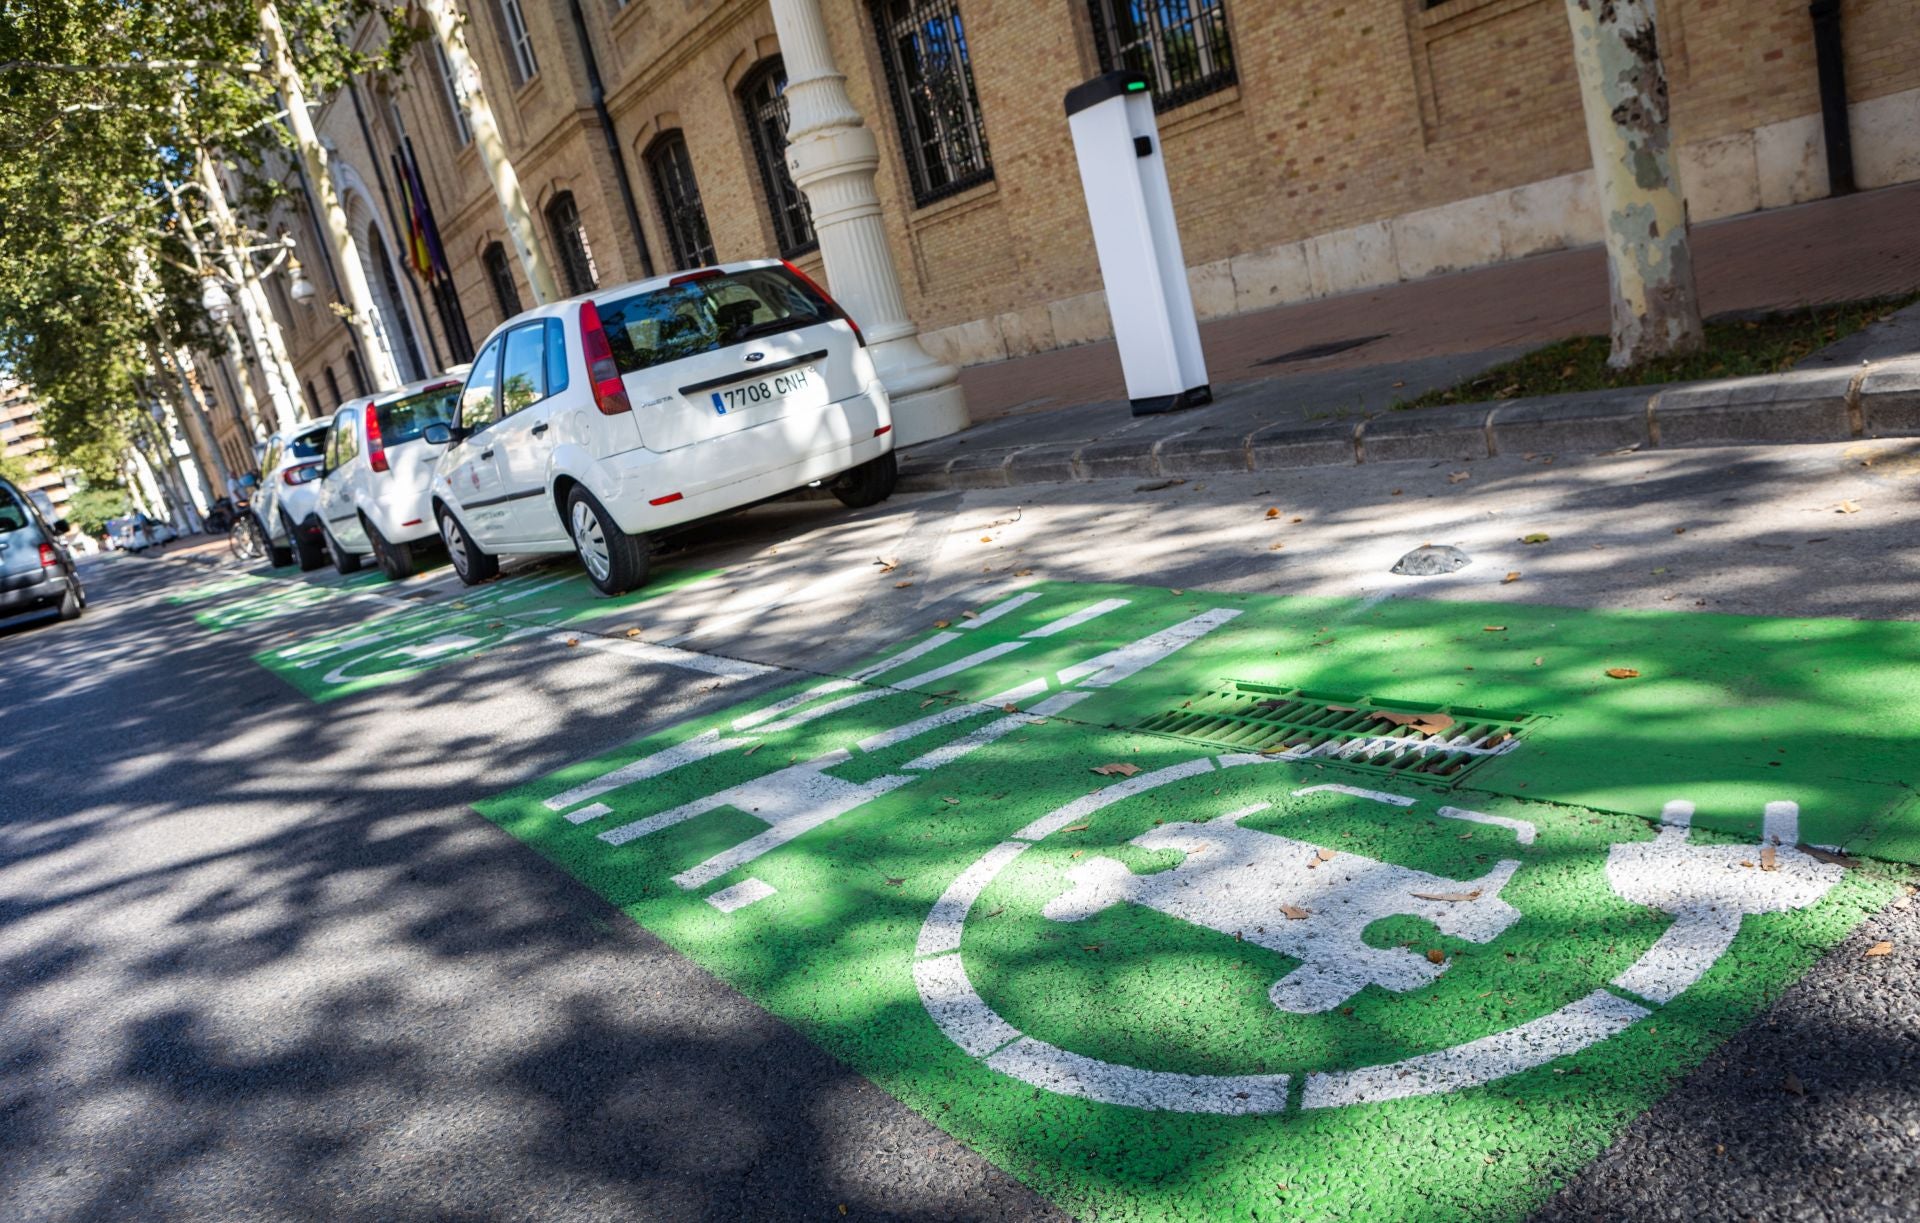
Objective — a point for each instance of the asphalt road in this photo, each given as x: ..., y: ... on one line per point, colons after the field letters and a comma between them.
x: 259, y: 958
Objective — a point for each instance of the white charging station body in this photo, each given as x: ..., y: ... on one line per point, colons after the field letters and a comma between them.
x: 1117, y: 142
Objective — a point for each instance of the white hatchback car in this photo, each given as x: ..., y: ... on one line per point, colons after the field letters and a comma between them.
x: 375, y: 493
x: 588, y: 424
x: 287, y: 504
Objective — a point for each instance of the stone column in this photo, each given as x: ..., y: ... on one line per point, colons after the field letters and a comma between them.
x: 833, y: 157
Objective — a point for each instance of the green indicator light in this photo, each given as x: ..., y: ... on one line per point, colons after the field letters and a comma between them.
x: 1135, y: 86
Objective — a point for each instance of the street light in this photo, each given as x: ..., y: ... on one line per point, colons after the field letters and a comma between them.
x: 302, y: 289
x: 215, y: 300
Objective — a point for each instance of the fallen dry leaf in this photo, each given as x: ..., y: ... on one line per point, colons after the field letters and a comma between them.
x: 885, y: 565
x: 1449, y: 896
x: 1539, y: 661
x: 986, y: 539
x: 901, y: 585
x: 1176, y: 592
x: 1436, y: 956
x: 927, y: 702
x: 1297, y: 520
x: 1325, y: 855
x: 1883, y: 947
x: 1009, y: 709
x: 1020, y: 573
x: 943, y: 624
x: 1091, y: 946
x: 1296, y: 913
x: 1846, y: 507
x: 1076, y: 853
x: 894, y: 883
x: 1493, y: 628
x: 1769, y: 860
x: 1428, y: 723
x: 1622, y: 673
x: 633, y: 632
x: 573, y: 641
x: 1273, y: 512
x: 1793, y: 1086
x: 969, y: 614
x: 750, y: 751
x: 1512, y: 576
x: 1538, y: 537
x: 1077, y: 828
x: 1117, y: 770
x: 951, y: 800
x: 1826, y: 855
x: 1458, y: 476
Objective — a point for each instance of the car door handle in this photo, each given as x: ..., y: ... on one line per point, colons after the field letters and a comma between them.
x: 540, y: 428
x: 486, y: 454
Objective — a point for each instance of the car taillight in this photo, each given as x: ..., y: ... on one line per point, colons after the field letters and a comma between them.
x: 687, y: 278
x: 291, y: 476
x: 376, y: 453
x: 48, y: 558
x: 828, y: 298
x: 609, y: 392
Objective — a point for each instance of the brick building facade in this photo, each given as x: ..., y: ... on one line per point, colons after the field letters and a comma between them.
x: 1316, y: 147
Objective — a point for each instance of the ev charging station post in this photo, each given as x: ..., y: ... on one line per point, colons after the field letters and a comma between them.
x: 1117, y: 142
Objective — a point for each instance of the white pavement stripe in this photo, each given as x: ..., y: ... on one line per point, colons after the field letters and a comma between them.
x: 740, y: 895
x: 1110, y: 668
x: 667, y: 656
x: 1523, y: 831
x: 1000, y: 609
x: 588, y: 813
x: 1681, y: 955
x: 1080, y: 808
x: 948, y: 753
x: 1568, y: 1030
x: 751, y: 720
x: 1781, y: 823
x: 1378, y: 796
x: 873, y: 694
x: 904, y: 657
x: 951, y: 1002
x: 1072, y: 1074
x: 1075, y: 619
x: 953, y: 713
x: 941, y: 931
x: 698, y: 748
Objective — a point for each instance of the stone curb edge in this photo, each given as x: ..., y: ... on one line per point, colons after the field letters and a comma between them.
x: 1878, y: 399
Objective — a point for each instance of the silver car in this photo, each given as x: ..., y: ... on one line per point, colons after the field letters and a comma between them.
x: 36, y: 570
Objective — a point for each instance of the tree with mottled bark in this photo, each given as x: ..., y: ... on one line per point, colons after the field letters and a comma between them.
x: 1623, y: 90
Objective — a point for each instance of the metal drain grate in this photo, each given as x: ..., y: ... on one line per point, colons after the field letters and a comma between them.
x: 1434, y: 743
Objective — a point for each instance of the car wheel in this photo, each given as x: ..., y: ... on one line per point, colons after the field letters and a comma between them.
x: 396, y: 560
x: 473, y: 565
x: 278, y: 555
x: 868, y: 484
x: 307, y: 552
x: 616, y: 561
x: 71, y: 602
x: 343, y: 560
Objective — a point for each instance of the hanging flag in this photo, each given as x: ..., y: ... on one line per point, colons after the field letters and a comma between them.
x: 436, y: 255
x: 417, y: 257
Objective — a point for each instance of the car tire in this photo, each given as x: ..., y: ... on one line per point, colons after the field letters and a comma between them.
x: 344, y: 561
x: 307, y: 551
x: 616, y: 562
x: 473, y: 565
x: 278, y: 555
x: 71, y: 602
x: 395, y: 560
x: 868, y: 484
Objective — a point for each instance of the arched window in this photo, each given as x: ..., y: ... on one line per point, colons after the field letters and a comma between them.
x: 923, y: 46
x: 500, y: 276
x: 1182, y: 48
x: 333, y: 391
x: 313, y: 401
x: 570, y: 239
x: 764, y: 95
x: 358, y: 373
x: 679, y: 198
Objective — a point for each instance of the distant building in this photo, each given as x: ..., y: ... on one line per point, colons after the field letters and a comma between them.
x: 22, y: 438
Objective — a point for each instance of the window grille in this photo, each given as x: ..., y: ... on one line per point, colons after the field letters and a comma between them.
x: 500, y: 276
x: 520, y: 58
x: 678, y: 195
x: 1181, y: 45
x: 570, y: 237
x: 764, y: 95
x: 923, y: 47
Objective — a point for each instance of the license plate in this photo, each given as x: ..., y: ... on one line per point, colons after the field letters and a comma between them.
x: 766, y: 390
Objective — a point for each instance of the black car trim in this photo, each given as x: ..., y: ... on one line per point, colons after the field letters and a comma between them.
x: 519, y: 496
x: 759, y: 372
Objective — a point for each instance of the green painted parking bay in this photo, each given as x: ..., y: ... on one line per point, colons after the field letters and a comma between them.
x: 1272, y: 967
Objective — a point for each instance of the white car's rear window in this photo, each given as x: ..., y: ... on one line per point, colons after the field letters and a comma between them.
x: 715, y: 311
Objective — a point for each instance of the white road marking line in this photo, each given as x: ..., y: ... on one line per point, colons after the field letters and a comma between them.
x: 946, y: 717
x: 1082, y: 807
x: 1073, y: 1074
x: 1000, y: 609
x: 1110, y: 668
x: 1568, y: 1030
x: 667, y: 656
x: 903, y: 657
x: 960, y: 1012
x: 1681, y: 955
x: 941, y: 931
x: 742, y: 894
x: 947, y: 753
x: 697, y: 748
x: 588, y: 813
x: 1378, y: 796
x: 1523, y: 830
x: 1075, y: 619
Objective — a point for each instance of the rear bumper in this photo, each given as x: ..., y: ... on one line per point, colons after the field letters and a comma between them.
x: 403, y: 519
x: 21, y: 592
x: 705, y: 474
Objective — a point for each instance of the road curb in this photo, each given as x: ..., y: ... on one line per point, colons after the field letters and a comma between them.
x: 1874, y: 399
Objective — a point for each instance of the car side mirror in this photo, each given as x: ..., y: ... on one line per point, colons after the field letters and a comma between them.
x: 60, y: 526
x: 439, y: 433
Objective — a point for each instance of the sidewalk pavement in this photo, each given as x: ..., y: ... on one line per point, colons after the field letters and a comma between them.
x: 1847, y: 249
x: 1435, y: 333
